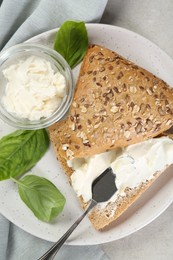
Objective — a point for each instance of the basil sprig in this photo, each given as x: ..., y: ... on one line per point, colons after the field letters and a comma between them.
x: 41, y: 196
x: 20, y: 151
x: 71, y: 41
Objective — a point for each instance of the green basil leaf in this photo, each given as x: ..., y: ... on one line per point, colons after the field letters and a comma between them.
x: 41, y: 196
x: 21, y: 150
x: 71, y: 41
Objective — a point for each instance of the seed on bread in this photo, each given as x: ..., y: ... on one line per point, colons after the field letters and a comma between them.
x: 114, y: 109
x: 72, y: 126
x: 65, y: 147
x: 141, y: 88
x: 169, y: 122
x: 149, y: 91
x: 133, y: 89
x: 102, y: 69
x: 148, y: 107
x: 74, y: 104
x: 105, y: 77
x: 161, y: 111
x: 142, y: 108
x: 117, y: 116
x: 120, y: 75
x: 127, y: 134
x: 83, y: 109
x: 138, y: 128
x: 96, y: 125
x: 124, y: 87
x: 149, y: 124
x: 136, y: 109
x: 70, y: 154
x: 85, y: 141
x: 91, y: 58
x: 82, y: 100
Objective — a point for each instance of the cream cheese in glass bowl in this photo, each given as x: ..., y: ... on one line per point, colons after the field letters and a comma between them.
x: 36, y: 86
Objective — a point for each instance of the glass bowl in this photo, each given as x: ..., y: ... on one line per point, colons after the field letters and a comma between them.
x: 19, y: 53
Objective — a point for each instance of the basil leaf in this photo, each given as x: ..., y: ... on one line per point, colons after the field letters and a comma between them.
x: 71, y: 41
x: 41, y: 196
x: 21, y: 150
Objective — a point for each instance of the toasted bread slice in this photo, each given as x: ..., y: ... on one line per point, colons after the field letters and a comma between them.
x: 101, y: 217
x: 116, y: 103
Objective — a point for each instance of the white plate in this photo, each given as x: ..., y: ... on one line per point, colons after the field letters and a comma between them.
x: 146, y: 209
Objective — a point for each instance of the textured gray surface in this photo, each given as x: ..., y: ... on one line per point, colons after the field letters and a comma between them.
x: 151, y: 18
x: 154, y: 20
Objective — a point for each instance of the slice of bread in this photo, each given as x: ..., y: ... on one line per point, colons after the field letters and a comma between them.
x: 116, y: 104
x: 101, y: 217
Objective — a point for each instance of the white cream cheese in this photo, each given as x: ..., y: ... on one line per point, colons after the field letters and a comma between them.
x: 33, y: 88
x: 132, y: 165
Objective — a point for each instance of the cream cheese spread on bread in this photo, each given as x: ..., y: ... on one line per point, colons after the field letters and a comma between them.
x: 132, y: 165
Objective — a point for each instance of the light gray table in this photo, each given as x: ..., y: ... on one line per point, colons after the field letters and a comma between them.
x: 154, y: 20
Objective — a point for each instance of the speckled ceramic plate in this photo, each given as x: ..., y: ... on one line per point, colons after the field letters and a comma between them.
x: 146, y: 209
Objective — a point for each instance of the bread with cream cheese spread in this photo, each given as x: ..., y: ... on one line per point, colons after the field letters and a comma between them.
x: 116, y: 104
